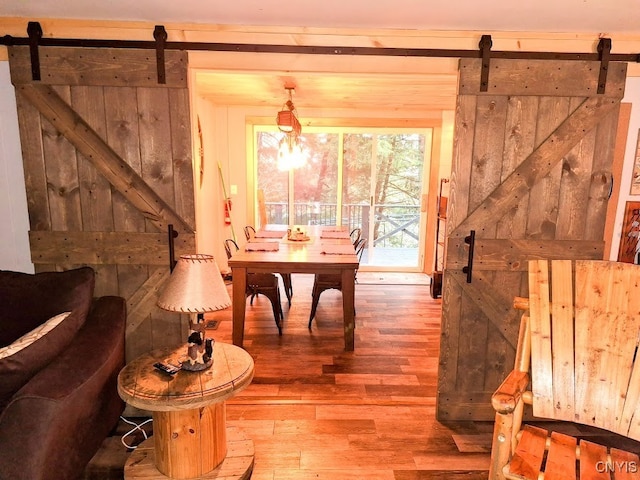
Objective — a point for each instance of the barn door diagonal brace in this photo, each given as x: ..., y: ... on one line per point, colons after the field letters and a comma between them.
x: 94, y: 148
x: 485, y: 51
x: 34, y: 30
x: 160, y: 35
x: 539, y: 163
x: 604, y: 52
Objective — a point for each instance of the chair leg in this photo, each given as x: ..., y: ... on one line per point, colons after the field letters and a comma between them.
x: 276, y: 306
x: 314, y: 303
x: 288, y: 287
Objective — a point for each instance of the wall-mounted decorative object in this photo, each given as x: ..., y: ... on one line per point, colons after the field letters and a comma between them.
x: 635, y: 178
x: 630, y: 237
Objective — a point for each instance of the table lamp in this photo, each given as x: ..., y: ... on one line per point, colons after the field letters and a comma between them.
x: 195, y: 287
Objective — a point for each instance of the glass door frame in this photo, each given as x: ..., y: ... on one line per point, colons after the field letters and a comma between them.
x: 426, y: 168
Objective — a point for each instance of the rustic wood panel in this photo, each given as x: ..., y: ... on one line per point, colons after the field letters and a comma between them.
x: 76, y: 130
x: 542, y: 211
x: 63, y: 185
x: 539, y: 163
x: 109, y: 167
x: 574, y: 186
x: 519, y: 141
x: 511, y: 255
x: 181, y: 153
x: 526, y: 179
x: 123, y: 137
x: 95, y: 190
x: 491, y: 113
x: 155, y: 131
x: 30, y: 126
x: 107, y: 248
x: 535, y: 78
x: 602, y: 177
x: 460, y: 177
x: 98, y: 67
x: 143, y: 300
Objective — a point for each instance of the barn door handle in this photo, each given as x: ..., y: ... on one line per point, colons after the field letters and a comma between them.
x: 173, y: 234
x: 469, y: 240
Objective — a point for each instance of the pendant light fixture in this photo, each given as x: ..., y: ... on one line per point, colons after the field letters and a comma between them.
x: 287, y: 118
x: 290, y: 154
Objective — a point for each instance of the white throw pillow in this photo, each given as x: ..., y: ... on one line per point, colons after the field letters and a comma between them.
x: 30, y: 337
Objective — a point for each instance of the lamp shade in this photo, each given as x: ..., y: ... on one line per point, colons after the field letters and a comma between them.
x: 195, y: 286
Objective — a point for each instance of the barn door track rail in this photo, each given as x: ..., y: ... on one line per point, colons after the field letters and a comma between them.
x: 35, y: 40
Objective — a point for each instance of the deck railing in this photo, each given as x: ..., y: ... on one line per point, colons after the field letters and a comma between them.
x: 394, y: 225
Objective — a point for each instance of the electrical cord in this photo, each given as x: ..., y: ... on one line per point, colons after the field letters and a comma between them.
x: 136, y: 427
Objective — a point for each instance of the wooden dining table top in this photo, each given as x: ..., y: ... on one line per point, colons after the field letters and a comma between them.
x: 314, y: 254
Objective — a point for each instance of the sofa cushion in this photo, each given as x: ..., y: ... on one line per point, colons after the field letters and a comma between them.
x: 29, y: 300
x: 31, y: 337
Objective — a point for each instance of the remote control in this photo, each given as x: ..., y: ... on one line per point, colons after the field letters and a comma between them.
x: 166, y: 368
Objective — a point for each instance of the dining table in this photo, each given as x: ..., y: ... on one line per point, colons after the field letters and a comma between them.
x: 310, y: 249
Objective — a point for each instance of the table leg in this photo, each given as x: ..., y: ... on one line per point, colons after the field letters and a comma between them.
x: 190, y: 443
x: 348, y: 307
x: 239, y: 275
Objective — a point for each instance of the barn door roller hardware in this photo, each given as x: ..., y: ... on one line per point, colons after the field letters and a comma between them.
x: 160, y: 44
x: 160, y: 34
x: 34, y: 30
x: 604, y: 51
x: 485, y: 53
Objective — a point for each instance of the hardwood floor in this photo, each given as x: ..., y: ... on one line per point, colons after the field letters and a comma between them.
x: 317, y: 412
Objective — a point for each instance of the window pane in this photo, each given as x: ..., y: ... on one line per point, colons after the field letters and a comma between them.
x: 316, y: 182
x: 272, y: 181
x: 356, y: 179
x: 397, y: 190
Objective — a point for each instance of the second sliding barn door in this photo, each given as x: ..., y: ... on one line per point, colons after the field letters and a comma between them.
x: 531, y: 178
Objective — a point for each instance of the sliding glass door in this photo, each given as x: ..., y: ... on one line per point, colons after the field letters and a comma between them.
x: 371, y: 179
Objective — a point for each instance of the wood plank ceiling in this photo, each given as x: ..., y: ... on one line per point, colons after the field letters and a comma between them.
x: 352, y: 91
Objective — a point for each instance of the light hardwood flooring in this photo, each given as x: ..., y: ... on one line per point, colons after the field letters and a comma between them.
x: 317, y: 412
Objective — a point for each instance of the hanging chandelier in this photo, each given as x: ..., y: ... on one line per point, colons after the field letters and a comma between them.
x: 290, y: 154
x: 287, y: 118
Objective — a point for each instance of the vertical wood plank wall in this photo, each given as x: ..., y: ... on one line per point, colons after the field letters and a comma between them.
x: 106, y: 171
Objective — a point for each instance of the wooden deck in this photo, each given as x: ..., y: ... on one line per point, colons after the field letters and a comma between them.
x: 390, y: 257
x: 317, y: 412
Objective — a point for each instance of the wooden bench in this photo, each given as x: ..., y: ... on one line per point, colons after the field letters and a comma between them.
x: 577, y: 360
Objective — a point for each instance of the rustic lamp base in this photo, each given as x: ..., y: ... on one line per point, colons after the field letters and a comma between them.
x: 196, y: 367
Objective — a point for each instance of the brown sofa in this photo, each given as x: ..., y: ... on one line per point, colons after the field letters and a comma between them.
x: 58, y: 395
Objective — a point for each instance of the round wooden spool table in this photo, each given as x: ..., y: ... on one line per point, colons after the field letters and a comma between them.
x: 190, y: 437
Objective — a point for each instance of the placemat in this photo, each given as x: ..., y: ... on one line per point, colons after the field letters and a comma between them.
x: 334, y: 229
x: 262, y: 247
x: 270, y: 234
x: 334, y: 234
x: 338, y: 249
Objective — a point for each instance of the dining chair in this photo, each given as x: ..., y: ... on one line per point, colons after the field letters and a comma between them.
x: 328, y: 281
x: 355, y: 235
x: 576, y: 362
x: 249, y: 233
x: 260, y: 284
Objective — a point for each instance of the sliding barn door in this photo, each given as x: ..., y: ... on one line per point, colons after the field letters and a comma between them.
x: 107, y: 161
x: 531, y: 178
